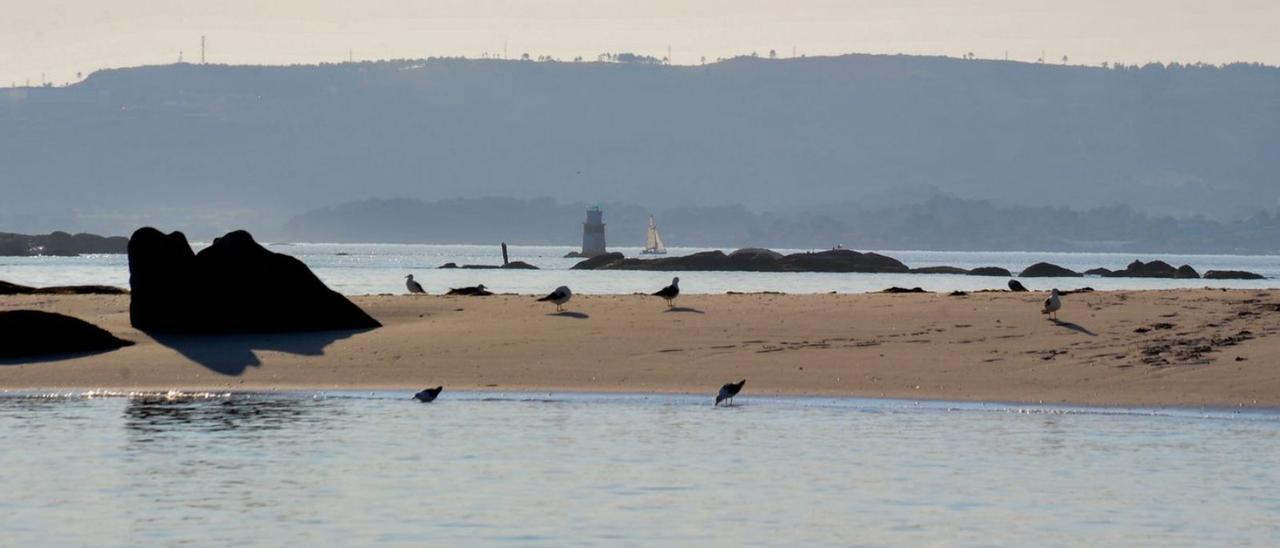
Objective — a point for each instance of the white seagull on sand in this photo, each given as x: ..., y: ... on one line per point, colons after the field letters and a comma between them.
x: 1052, y: 304
x: 414, y: 287
x: 558, y: 297
x: 670, y: 292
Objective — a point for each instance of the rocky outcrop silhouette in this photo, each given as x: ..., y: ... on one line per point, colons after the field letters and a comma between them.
x: 754, y: 260
x: 7, y: 288
x: 34, y: 333
x: 1048, y: 270
x: 1153, y: 269
x: 1232, y: 275
x: 232, y: 286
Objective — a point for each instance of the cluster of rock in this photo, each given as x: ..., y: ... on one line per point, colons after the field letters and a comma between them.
x: 754, y: 260
x: 844, y: 260
x: 60, y: 244
x: 513, y: 265
x: 30, y: 333
x: 233, y: 286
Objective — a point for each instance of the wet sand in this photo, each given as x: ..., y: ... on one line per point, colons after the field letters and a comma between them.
x: 1198, y: 347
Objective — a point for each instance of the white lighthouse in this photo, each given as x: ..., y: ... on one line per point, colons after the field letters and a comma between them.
x: 593, y: 233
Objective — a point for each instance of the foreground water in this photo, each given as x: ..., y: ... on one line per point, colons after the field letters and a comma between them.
x: 358, y: 269
x: 617, y: 469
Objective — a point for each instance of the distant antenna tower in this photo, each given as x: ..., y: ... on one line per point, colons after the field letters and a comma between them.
x: 670, y: 61
x: 351, y: 56
x: 201, y: 49
x: 504, y: 49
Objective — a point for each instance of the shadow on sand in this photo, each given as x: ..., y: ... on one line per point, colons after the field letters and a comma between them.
x: 1074, y: 327
x: 232, y: 354
x: 685, y: 309
x: 575, y: 315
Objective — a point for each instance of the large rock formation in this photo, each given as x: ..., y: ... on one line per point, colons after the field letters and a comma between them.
x: 32, y: 333
x: 991, y: 271
x: 234, y: 285
x: 1232, y: 275
x: 753, y: 260
x: 59, y: 244
x: 1048, y: 270
x: 1153, y: 269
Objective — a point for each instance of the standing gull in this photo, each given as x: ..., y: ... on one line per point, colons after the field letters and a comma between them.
x: 728, y: 391
x: 414, y: 287
x: 1052, y: 304
x: 428, y: 394
x: 670, y: 292
x: 558, y: 297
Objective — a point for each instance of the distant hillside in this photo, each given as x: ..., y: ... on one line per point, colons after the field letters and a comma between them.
x: 937, y: 222
x: 207, y: 148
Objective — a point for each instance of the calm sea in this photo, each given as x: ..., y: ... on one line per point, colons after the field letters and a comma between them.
x: 357, y: 269
x: 579, y: 469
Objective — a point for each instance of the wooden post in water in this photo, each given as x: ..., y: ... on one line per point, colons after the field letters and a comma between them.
x: 504, y: 253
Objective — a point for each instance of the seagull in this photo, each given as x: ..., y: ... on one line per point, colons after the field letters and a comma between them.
x: 1052, y: 304
x: 414, y: 287
x: 558, y: 297
x: 478, y: 291
x: 1016, y: 286
x: 670, y: 292
x: 428, y: 394
x: 728, y: 391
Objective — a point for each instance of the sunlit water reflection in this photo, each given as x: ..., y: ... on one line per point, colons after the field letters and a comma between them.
x: 559, y: 469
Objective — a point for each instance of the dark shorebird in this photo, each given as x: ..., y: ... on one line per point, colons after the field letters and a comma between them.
x: 670, y: 292
x: 428, y: 394
x: 475, y: 291
x: 1052, y: 304
x: 728, y: 391
x: 414, y: 287
x: 1016, y: 286
x: 558, y: 297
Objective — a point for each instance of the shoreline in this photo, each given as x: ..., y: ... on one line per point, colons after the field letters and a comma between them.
x: 984, y: 347
x: 472, y: 394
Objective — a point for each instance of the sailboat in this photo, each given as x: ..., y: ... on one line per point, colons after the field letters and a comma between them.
x: 653, y: 244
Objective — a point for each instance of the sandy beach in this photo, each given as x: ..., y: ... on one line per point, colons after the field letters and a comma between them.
x: 1201, y: 347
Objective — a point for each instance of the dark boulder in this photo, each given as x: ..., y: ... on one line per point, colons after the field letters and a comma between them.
x: 232, y: 286
x: 1098, y: 272
x: 755, y: 259
x: 896, y: 289
x: 1232, y: 275
x: 1017, y: 287
x: 939, y: 270
x: 598, y: 261
x: 991, y: 271
x: 449, y: 265
x: 519, y: 265
x: 1153, y: 269
x: 7, y: 288
x: 1048, y: 270
x: 32, y: 333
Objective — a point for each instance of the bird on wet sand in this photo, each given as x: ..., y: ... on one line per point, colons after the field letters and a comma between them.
x: 670, y: 292
x: 414, y: 287
x: 1052, y: 304
x: 728, y: 391
x: 558, y: 297
x: 428, y: 394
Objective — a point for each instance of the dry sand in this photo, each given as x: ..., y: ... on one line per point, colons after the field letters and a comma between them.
x: 1200, y: 347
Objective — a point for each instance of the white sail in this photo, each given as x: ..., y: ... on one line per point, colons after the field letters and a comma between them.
x: 653, y: 243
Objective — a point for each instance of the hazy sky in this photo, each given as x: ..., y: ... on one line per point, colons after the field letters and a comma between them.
x: 62, y: 37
